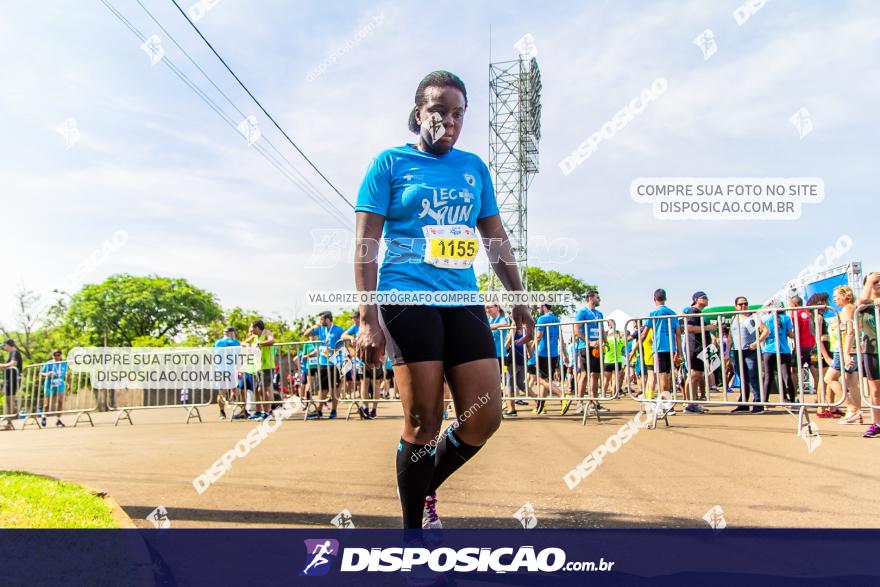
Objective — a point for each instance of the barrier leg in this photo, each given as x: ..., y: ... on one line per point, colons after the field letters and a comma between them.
x: 124, y: 415
x: 803, y: 420
x: 28, y: 418
x: 189, y: 414
x: 88, y: 417
x: 7, y: 423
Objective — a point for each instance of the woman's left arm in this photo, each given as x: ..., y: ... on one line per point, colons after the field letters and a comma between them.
x: 500, y: 254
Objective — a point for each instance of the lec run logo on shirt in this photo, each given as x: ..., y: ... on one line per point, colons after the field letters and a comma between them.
x: 320, y: 553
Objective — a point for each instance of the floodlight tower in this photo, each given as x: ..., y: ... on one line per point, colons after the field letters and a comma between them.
x: 514, y: 132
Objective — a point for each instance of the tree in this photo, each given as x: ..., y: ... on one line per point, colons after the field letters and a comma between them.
x: 543, y: 280
x: 125, y: 308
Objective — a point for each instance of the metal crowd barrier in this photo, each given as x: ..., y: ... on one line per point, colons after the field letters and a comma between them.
x: 570, y: 382
x: 126, y: 401
x: 772, y: 368
x: 51, y: 389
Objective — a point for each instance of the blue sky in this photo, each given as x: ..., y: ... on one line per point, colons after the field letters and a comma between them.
x: 198, y: 202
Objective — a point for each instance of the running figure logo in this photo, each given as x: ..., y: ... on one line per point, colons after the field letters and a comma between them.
x: 706, y: 42
x: 715, y: 518
x: 317, y: 553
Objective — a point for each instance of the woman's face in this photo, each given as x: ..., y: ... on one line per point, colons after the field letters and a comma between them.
x: 441, y: 118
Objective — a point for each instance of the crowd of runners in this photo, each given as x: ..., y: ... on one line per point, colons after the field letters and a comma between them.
x: 573, y: 365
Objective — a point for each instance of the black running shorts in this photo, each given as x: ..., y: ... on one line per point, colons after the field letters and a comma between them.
x: 452, y: 334
x: 663, y: 360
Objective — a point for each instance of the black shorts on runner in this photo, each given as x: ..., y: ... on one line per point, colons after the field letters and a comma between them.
x: 328, y: 377
x: 806, y: 356
x: 663, y: 361
x: 452, y: 334
x: 870, y: 366
x: 609, y: 367
x: 372, y: 373
x: 264, y: 381
x: 695, y: 363
x: 595, y: 364
x: 546, y: 367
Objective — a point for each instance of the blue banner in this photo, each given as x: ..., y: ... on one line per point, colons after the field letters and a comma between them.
x: 462, y: 557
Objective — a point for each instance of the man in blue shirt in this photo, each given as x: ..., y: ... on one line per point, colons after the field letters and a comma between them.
x: 55, y: 374
x: 666, y: 334
x: 588, y: 335
x: 547, y: 353
x: 228, y: 346
x: 330, y: 337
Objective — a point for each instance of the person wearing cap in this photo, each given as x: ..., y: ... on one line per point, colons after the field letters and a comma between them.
x: 55, y: 374
x: 698, y: 338
x: 227, y: 340
x: 12, y: 371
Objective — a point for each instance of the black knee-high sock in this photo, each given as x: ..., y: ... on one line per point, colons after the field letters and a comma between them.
x: 415, y: 463
x: 451, y: 454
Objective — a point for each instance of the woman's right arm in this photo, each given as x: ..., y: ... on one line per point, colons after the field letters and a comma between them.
x: 368, y: 231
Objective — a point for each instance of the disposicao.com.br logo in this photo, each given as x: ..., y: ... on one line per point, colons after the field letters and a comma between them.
x: 442, y: 560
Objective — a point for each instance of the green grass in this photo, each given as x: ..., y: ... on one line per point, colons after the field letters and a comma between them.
x: 32, y: 501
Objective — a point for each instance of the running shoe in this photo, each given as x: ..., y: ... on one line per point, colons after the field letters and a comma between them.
x: 509, y: 413
x: 856, y: 418
x: 59, y: 423
x: 364, y: 413
x: 332, y: 414
x: 539, y: 407
x: 43, y: 422
x: 521, y: 402
x: 693, y: 409
x: 563, y: 409
x: 873, y: 431
x: 373, y: 413
x: 430, y: 519
x: 739, y: 409
x: 757, y: 409
x: 241, y: 416
x: 580, y: 409
x: 824, y: 415
x: 254, y: 416
x: 315, y: 416
x: 222, y: 415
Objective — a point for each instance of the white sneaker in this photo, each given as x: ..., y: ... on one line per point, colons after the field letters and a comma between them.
x: 430, y: 519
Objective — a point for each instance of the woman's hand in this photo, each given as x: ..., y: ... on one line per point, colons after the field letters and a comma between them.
x: 371, y: 343
x: 524, y: 323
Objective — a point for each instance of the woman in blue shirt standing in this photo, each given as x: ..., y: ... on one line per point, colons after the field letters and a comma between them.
x: 428, y: 200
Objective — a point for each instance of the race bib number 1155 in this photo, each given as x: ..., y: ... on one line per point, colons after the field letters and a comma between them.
x: 452, y: 246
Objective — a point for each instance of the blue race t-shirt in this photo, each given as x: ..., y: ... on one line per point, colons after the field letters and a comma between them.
x: 499, y: 335
x: 330, y: 342
x: 56, y: 376
x: 664, y: 329
x: 412, y: 190
x: 353, y: 330
x: 778, y: 334
x: 593, y: 329
x: 549, y: 332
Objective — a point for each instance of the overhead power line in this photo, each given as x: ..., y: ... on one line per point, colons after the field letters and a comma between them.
x: 257, y: 102
x: 317, y: 197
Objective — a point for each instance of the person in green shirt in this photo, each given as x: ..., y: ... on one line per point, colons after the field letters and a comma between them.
x: 614, y: 351
x: 265, y: 393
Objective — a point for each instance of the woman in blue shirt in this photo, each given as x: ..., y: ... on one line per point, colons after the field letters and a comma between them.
x: 428, y: 200
x: 774, y: 332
